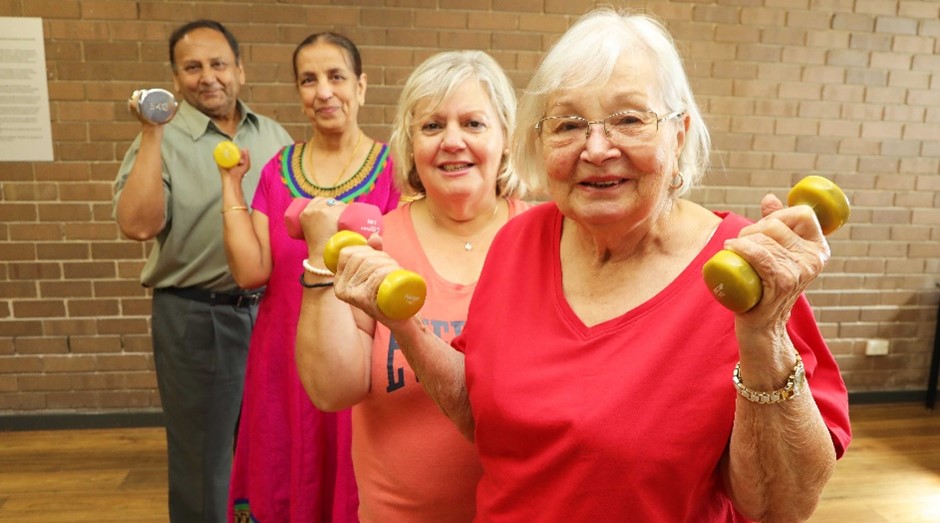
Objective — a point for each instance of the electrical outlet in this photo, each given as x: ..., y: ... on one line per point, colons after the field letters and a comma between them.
x: 877, y: 347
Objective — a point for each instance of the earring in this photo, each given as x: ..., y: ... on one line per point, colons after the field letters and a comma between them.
x: 675, y: 185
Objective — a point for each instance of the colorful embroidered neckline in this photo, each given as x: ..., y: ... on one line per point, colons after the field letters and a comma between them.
x: 362, y: 182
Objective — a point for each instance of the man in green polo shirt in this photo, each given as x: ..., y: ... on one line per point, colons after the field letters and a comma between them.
x: 168, y: 190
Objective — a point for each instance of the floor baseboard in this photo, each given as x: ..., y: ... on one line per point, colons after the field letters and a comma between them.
x: 73, y: 420
x: 887, y: 396
x: 154, y: 418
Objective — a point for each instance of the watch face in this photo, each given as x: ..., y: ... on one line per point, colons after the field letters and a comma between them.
x: 799, y: 378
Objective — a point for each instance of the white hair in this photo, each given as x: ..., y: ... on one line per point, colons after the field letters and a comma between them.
x: 587, y: 54
x: 432, y: 82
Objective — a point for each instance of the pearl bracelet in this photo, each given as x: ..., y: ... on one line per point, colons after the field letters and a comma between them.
x: 316, y: 270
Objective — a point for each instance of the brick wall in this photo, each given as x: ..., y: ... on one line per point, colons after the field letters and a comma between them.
x: 849, y: 89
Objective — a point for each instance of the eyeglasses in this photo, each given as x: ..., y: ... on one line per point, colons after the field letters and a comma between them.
x: 563, y: 131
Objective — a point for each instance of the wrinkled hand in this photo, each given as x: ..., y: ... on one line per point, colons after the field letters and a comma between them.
x: 360, y: 271
x: 788, y: 250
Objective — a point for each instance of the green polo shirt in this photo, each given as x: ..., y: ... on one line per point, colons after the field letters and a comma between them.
x: 189, y: 251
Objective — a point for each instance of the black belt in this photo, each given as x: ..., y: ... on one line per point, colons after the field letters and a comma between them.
x: 240, y: 299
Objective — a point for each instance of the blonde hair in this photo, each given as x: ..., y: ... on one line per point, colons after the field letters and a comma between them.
x: 587, y: 54
x: 432, y: 82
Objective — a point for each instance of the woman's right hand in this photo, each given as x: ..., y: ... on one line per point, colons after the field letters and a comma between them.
x: 318, y: 220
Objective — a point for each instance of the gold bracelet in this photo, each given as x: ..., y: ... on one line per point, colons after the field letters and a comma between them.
x: 234, y: 208
x: 796, y: 381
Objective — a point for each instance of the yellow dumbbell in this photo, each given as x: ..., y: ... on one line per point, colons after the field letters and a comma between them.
x: 734, y: 283
x: 227, y: 154
x: 401, y: 294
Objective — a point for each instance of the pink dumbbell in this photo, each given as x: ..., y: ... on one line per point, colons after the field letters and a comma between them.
x: 402, y: 293
x: 363, y: 218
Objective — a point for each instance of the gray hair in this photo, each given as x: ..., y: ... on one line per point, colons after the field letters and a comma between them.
x: 586, y: 54
x: 433, y: 81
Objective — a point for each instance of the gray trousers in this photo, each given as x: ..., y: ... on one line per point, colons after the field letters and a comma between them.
x: 200, y: 352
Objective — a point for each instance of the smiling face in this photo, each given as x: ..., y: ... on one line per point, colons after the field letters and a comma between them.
x: 207, y: 74
x: 330, y: 91
x: 459, y: 145
x: 613, y: 178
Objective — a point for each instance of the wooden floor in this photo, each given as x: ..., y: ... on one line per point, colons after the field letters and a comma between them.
x: 891, y: 473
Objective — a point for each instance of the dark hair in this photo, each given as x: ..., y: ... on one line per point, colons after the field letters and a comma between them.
x: 183, y: 30
x: 339, y: 41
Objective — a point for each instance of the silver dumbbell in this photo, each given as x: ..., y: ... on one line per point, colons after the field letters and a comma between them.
x: 157, y: 106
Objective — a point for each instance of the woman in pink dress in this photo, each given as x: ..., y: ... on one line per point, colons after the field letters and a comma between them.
x: 292, y: 461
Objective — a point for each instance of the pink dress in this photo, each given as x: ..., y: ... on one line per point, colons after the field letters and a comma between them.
x: 292, y: 461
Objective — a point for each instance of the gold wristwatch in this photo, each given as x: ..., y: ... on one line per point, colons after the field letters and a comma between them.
x: 796, y: 381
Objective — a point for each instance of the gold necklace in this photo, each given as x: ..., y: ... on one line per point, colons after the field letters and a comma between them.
x: 467, y: 244
x: 345, y: 167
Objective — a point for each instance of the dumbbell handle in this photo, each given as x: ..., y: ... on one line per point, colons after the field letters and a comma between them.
x: 401, y: 294
x: 734, y: 283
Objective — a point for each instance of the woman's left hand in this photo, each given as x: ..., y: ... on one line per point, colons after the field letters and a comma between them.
x: 360, y: 272
x: 788, y: 250
x: 766, y: 473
